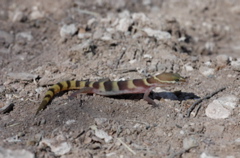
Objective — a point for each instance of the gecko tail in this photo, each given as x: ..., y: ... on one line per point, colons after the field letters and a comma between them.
x: 42, y: 106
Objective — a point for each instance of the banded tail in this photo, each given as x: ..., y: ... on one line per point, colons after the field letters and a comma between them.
x: 59, y: 87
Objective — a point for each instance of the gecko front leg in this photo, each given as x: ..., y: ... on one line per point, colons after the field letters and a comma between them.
x: 147, y: 98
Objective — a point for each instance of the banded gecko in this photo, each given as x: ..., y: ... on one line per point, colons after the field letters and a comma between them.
x: 110, y: 88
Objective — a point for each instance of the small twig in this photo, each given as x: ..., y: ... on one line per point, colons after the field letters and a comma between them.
x: 120, y: 57
x: 192, y: 107
x: 124, y: 144
x: 181, y: 152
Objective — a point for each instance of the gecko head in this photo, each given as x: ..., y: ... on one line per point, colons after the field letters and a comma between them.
x: 170, y: 78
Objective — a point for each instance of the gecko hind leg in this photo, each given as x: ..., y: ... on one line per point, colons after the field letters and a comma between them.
x: 83, y: 90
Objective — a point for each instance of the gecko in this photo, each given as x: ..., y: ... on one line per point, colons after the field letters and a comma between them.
x: 111, y: 88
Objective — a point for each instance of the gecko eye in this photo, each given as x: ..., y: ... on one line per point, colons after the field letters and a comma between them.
x: 176, y: 80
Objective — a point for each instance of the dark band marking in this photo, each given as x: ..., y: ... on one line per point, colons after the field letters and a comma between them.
x: 68, y: 84
x: 96, y: 85
x: 78, y: 83
x: 87, y: 84
x: 52, y: 90
x: 48, y: 96
x: 60, y: 86
x: 139, y: 83
x: 108, y: 85
x: 122, y: 85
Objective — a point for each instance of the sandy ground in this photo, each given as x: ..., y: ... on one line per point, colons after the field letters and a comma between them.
x: 45, y: 42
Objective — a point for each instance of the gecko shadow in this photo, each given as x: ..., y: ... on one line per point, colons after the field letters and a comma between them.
x: 178, y: 95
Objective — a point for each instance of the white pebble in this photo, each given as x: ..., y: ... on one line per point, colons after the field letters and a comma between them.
x: 159, y: 35
x: 26, y: 35
x: 68, y: 30
x: 236, y: 65
x: 204, y: 155
x: 215, y: 110
x: 206, y: 71
x: 229, y: 101
x: 188, y: 67
x: 222, y: 107
x: 147, y: 56
x: 58, y: 149
x: 69, y: 122
x: 100, y: 121
x: 222, y: 60
x: 189, y: 142
x: 36, y: 13
x: 124, y: 24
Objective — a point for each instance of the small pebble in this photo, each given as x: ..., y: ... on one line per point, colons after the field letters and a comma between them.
x: 159, y: 35
x: 206, y: 71
x: 36, y: 13
x: 124, y: 24
x: 222, y: 107
x: 69, y: 122
x: 58, y: 149
x: 222, y: 60
x: 100, y: 121
x: 68, y: 30
x: 26, y: 35
x: 236, y: 65
x: 188, y: 67
x: 189, y: 142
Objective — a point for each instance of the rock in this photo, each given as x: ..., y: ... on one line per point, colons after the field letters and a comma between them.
x: 124, y: 24
x: 188, y: 67
x: 36, y: 14
x: 206, y: 71
x: 222, y: 60
x: 68, y: 30
x: 222, y: 107
x: 204, y: 155
x: 7, y: 37
x: 26, y: 35
x: 17, y: 16
x: 57, y: 148
x: 140, y: 17
x: 22, y: 76
x: 147, y: 56
x: 101, y: 134
x: 69, y: 122
x: 13, y: 139
x: 100, y: 121
x: 189, y: 143
x: 236, y: 65
x: 216, y: 111
x: 84, y: 35
x: 159, y: 35
x: 7, y: 153
x: 229, y: 101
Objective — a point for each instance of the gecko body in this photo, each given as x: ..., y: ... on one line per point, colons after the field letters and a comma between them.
x: 111, y: 88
